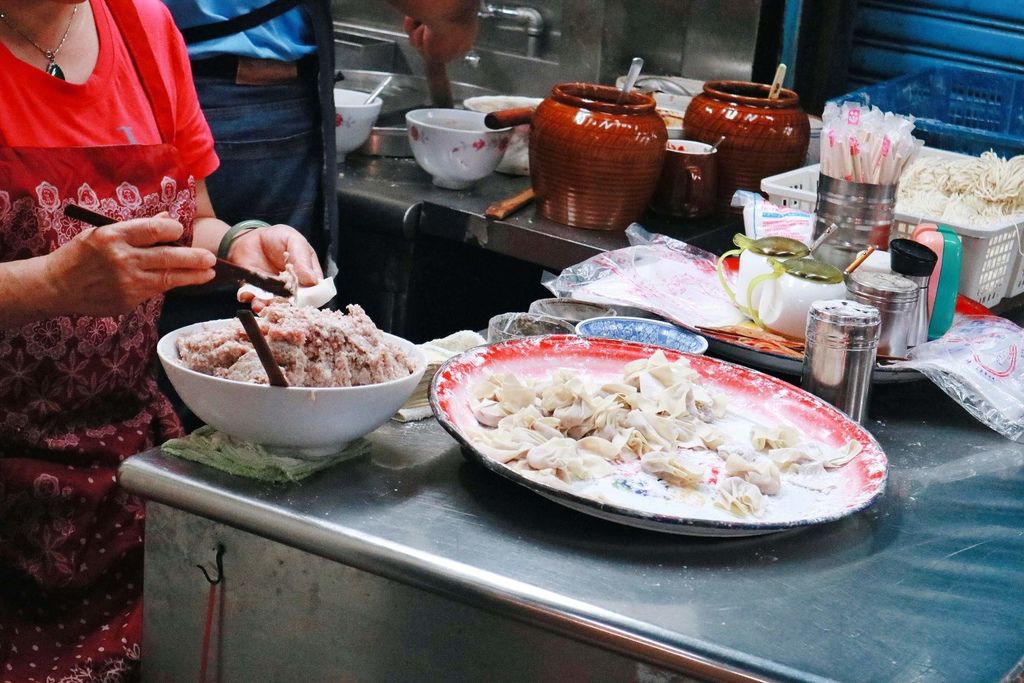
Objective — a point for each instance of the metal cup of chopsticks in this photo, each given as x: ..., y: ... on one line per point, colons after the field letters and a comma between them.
x: 863, y: 213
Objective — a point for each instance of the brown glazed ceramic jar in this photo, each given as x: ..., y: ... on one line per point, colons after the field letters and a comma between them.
x: 594, y: 163
x: 762, y: 137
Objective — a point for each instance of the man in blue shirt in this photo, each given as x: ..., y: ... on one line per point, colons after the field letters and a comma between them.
x: 264, y: 72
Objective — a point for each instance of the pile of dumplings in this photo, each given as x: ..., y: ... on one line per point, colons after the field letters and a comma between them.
x: 565, y: 429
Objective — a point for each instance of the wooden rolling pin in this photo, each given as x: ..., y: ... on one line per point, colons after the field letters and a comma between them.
x: 506, y: 207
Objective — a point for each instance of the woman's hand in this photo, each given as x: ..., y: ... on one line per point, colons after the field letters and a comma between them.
x: 111, y: 270
x: 270, y: 249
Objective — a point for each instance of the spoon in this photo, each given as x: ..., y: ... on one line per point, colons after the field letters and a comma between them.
x: 376, y: 91
x: 634, y: 73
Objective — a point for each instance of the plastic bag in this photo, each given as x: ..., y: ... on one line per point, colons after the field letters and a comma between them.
x: 673, y: 279
x: 761, y: 218
x: 980, y: 364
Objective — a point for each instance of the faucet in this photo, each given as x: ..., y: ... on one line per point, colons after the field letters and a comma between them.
x: 531, y: 19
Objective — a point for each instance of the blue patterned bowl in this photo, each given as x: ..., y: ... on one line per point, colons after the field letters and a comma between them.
x: 645, y: 331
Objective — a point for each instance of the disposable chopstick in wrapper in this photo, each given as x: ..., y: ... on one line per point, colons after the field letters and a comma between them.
x: 865, y: 145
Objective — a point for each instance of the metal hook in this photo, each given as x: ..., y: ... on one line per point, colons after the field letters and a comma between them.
x: 220, y: 567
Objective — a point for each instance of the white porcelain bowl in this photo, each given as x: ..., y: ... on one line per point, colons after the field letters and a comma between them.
x: 312, y: 422
x: 516, y: 160
x: 353, y: 120
x: 454, y: 146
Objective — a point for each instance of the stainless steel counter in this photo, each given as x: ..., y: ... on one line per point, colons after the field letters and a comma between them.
x: 926, y: 586
x: 377, y: 194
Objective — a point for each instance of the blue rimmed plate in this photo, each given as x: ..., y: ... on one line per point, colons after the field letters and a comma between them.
x: 644, y: 331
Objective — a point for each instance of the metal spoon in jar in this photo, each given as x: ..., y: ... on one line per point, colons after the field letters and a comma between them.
x: 634, y: 73
x: 376, y: 91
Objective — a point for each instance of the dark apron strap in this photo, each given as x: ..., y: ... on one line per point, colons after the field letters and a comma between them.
x: 244, y: 22
x: 128, y: 21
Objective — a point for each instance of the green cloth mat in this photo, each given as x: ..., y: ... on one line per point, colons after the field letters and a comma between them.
x: 245, y: 459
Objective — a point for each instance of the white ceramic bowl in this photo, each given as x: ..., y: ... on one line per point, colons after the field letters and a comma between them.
x: 517, y: 157
x: 312, y: 422
x: 353, y: 120
x: 454, y: 146
x: 673, y: 119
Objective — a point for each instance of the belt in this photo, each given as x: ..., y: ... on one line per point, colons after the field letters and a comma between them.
x: 251, y: 71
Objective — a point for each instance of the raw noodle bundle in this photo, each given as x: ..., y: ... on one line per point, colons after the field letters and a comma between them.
x: 972, y: 191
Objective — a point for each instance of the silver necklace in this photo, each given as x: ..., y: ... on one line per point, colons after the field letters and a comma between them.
x: 51, y: 55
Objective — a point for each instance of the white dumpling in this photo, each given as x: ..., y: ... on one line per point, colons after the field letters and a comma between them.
x: 812, y: 475
x: 672, y: 469
x: 739, y: 497
x: 837, y: 457
x: 762, y: 473
x: 506, y: 445
x: 567, y: 461
x: 764, y: 438
x: 595, y: 445
x: 786, y: 458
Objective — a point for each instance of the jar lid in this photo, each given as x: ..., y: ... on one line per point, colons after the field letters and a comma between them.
x: 808, y: 268
x: 912, y: 258
x: 888, y: 286
x: 843, y: 323
x: 779, y: 247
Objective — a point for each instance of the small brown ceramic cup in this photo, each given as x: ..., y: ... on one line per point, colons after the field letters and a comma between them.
x: 688, y: 183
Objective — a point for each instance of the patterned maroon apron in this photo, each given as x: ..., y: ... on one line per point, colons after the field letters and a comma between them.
x: 77, y: 396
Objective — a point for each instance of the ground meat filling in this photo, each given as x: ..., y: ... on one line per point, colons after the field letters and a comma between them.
x: 314, y: 348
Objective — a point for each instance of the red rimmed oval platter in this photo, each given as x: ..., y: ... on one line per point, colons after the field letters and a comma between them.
x: 629, y: 496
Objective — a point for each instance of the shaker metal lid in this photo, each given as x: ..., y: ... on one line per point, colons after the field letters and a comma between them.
x: 845, y: 312
x: 878, y: 284
x: 843, y: 323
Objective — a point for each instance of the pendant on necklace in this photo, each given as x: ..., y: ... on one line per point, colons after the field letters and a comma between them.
x: 55, y: 71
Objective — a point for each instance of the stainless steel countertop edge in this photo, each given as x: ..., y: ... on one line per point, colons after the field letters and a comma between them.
x: 496, y: 593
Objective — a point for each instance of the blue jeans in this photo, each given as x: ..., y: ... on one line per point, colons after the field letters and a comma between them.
x: 268, y: 141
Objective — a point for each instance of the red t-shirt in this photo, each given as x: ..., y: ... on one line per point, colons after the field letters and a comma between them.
x: 111, y: 107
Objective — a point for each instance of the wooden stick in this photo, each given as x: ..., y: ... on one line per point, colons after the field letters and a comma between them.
x: 80, y: 213
x: 780, y: 73
x: 506, y: 207
x: 506, y: 118
x: 859, y: 260
x: 439, y: 86
x: 231, y: 271
x: 259, y: 342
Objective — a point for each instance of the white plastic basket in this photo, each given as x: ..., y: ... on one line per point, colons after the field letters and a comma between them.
x: 992, y: 266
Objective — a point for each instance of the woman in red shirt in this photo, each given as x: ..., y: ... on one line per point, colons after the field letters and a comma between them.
x: 98, y: 109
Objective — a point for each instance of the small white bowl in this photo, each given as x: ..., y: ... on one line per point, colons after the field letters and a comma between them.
x: 673, y: 122
x: 353, y: 120
x: 454, y: 146
x: 517, y: 157
x: 309, y: 422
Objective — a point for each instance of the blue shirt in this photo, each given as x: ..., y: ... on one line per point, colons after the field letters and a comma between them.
x: 287, y: 37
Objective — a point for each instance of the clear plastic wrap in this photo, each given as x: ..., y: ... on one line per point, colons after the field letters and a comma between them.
x: 980, y: 364
x: 658, y: 274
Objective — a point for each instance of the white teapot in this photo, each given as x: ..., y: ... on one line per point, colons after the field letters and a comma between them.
x: 778, y: 282
x: 754, y: 256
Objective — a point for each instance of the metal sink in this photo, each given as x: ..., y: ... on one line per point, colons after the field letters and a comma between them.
x: 405, y: 93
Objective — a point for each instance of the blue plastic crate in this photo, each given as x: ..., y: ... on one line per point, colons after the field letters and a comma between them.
x: 958, y: 109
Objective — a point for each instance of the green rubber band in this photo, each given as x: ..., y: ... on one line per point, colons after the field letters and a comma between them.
x: 236, y: 231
